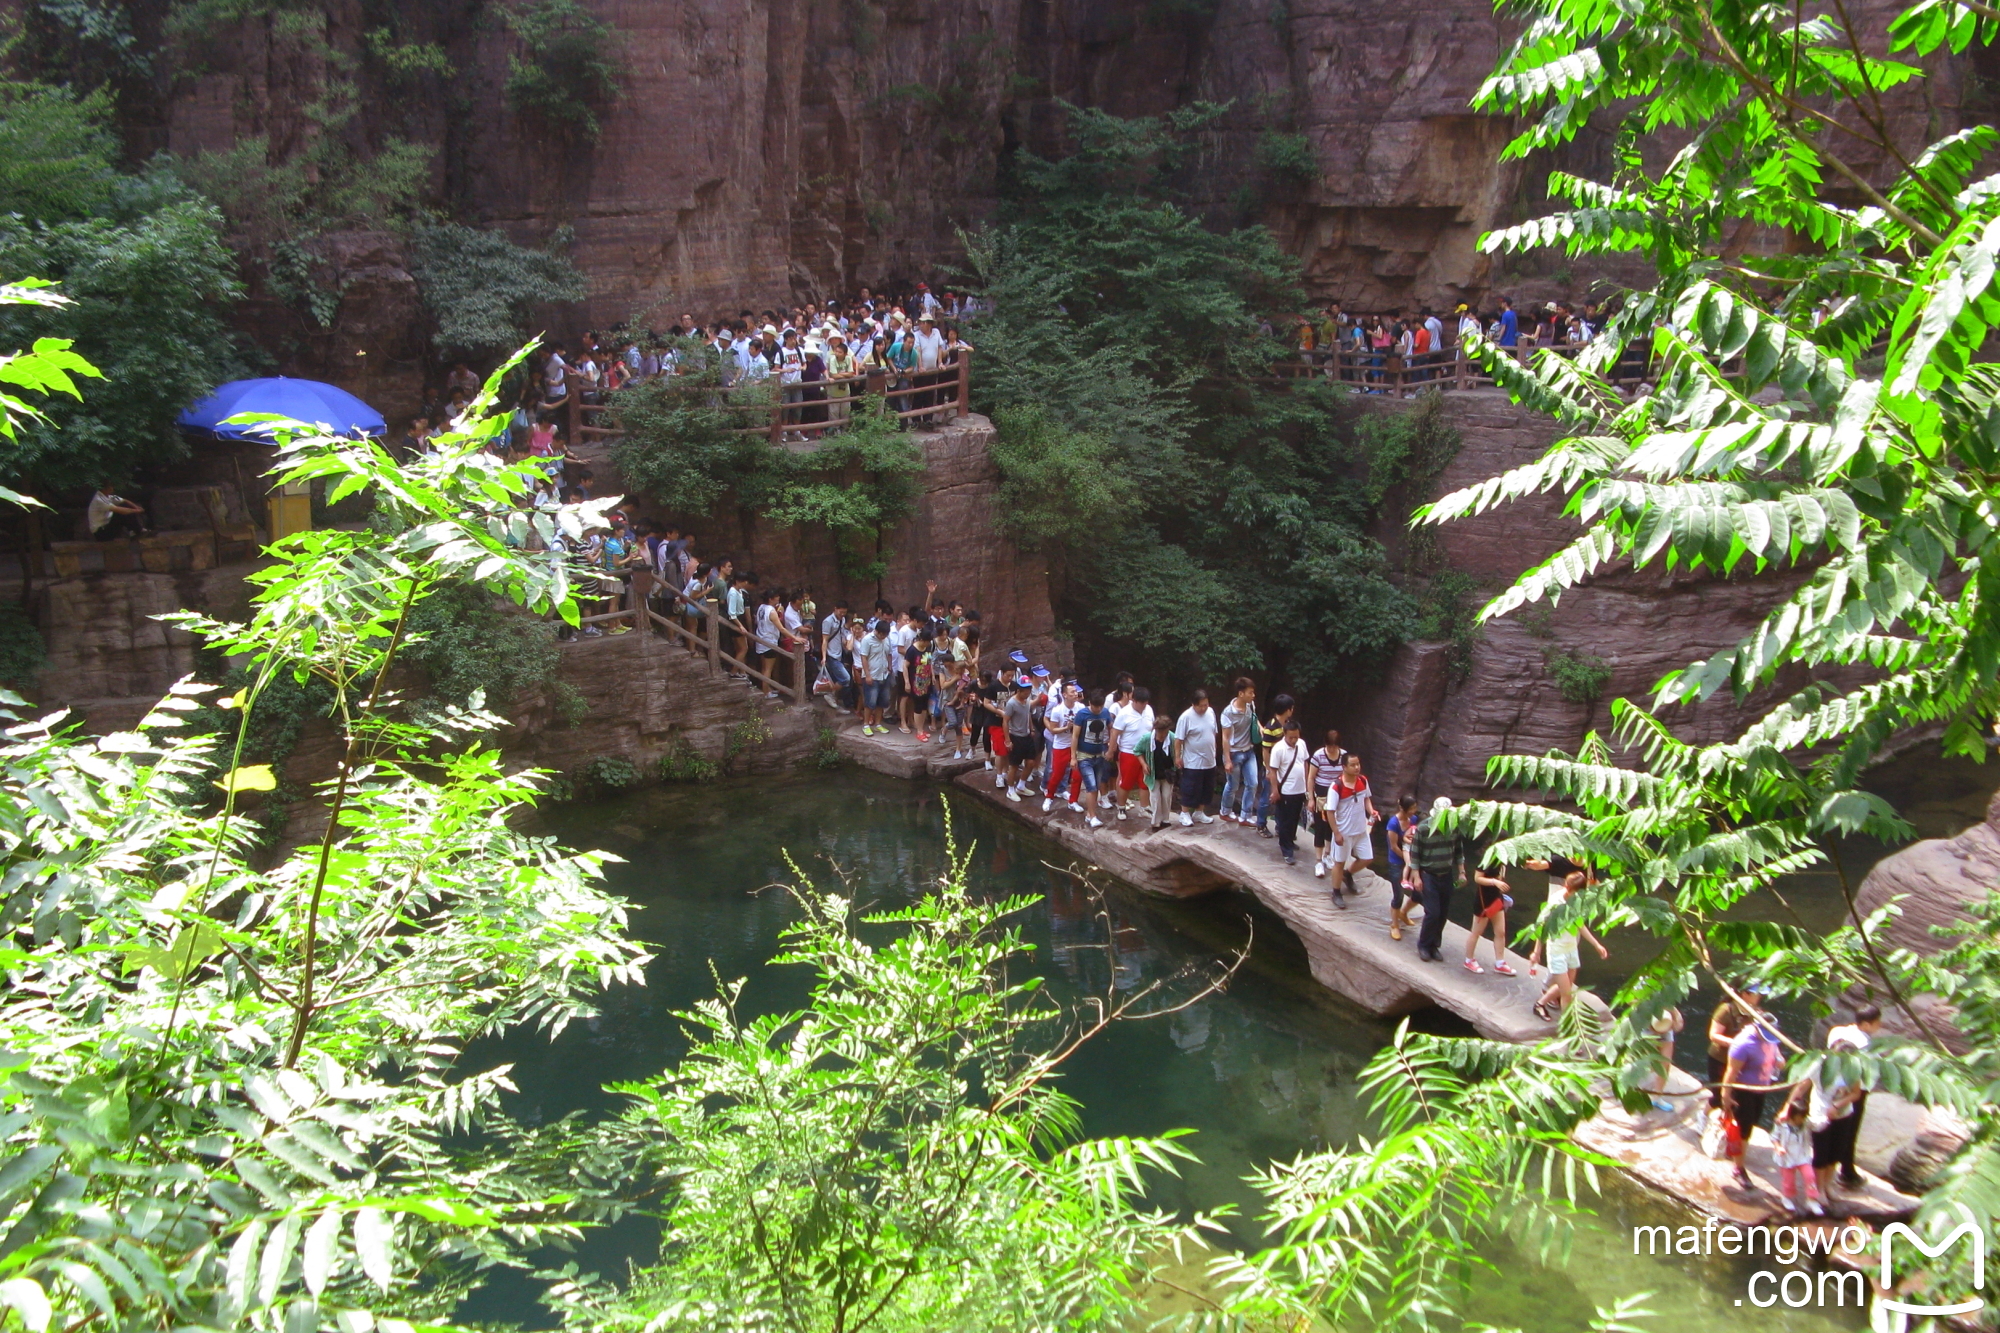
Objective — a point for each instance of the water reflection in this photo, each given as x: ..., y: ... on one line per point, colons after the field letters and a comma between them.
x: 1262, y: 1071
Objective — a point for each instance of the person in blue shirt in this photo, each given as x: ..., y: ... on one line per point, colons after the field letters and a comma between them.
x: 1510, y: 324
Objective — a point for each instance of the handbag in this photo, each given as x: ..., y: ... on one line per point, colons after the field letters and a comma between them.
x: 1714, y: 1137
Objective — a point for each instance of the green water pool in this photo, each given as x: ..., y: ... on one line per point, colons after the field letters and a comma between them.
x: 1262, y: 1071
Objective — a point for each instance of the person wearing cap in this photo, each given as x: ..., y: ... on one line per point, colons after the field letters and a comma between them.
x: 1017, y: 716
x: 929, y: 350
x: 1441, y: 860
x: 1468, y: 324
x: 1755, y: 1070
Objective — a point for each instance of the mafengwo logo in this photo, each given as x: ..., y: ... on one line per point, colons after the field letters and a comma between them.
x: 1967, y: 1229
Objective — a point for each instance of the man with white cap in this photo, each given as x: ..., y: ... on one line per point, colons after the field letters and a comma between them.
x: 1441, y: 860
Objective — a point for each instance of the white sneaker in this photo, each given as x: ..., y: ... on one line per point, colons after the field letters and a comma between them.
x: 1074, y: 807
x: 999, y: 779
x: 1093, y: 822
x: 1013, y: 793
x: 1206, y: 818
x: 1103, y: 801
x: 1121, y: 812
x: 1813, y: 1207
x: 989, y: 765
x: 1319, y: 870
x: 1187, y: 821
x: 1048, y: 804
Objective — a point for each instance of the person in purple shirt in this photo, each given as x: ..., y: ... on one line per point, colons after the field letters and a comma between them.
x: 1510, y: 323
x: 1755, y: 1062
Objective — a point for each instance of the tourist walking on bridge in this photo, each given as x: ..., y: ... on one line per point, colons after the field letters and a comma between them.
x: 1288, y: 784
x: 1354, y: 817
x: 1241, y: 736
x: 1197, y: 736
x: 1441, y: 860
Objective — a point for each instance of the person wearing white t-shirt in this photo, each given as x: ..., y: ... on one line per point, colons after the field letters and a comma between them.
x: 1289, y: 782
x: 1132, y: 725
x: 1838, y: 1108
x: 1197, y: 737
x: 1058, y: 733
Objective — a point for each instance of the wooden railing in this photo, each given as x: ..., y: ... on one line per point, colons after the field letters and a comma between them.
x: 639, y: 615
x: 927, y: 395
x: 1389, y: 372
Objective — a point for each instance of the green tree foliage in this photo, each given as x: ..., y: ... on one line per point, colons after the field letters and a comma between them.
x: 1824, y: 416
x: 481, y: 287
x: 894, y: 1156
x: 479, y: 653
x: 56, y: 153
x: 686, y: 445
x: 145, y: 277
x: 567, y: 71
x: 228, y: 1095
x: 1190, y: 514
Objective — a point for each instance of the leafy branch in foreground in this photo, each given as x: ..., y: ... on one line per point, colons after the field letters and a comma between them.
x: 895, y: 1155
x: 231, y: 1098
x: 1819, y: 417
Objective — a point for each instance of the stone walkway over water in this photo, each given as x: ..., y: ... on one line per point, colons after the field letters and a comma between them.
x: 1350, y: 951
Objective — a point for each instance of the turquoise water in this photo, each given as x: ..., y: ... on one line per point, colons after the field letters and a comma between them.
x: 1262, y: 1071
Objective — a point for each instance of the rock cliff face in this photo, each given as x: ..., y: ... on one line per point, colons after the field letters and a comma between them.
x: 766, y: 149
x: 1428, y: 731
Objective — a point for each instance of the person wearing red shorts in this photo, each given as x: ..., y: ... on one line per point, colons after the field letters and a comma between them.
x: 1133, y: 728
x: 1492, y: 911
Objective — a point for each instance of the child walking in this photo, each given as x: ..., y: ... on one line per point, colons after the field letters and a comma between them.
x: 1162, y: 775
x: 1492, y: 910
x: 1791, y: 1143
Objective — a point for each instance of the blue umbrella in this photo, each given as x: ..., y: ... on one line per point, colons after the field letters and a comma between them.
x: 309, y: 401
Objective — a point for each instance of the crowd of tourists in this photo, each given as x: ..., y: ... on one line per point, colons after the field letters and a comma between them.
x: 1419, y: 334
x: 818, y: 355
x: 1815, y: 1121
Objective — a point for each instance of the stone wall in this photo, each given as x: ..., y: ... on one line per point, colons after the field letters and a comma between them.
x: 645, y: 695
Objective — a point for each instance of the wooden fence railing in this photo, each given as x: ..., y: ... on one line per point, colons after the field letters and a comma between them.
x: 705, y: 642
x: 1389, y: 372
x: 920, y: 396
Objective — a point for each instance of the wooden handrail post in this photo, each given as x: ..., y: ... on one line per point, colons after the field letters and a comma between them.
x: 712, y: 623
x: 964, y: 383
x: 799, y: 688
x: 635, y: 597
